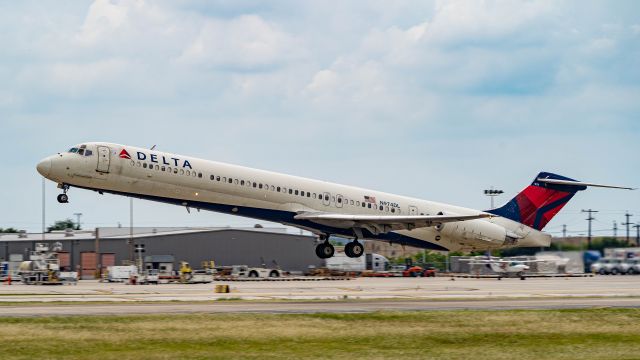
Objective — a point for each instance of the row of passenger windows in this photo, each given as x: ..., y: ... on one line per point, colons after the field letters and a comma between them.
x: 280, y: 189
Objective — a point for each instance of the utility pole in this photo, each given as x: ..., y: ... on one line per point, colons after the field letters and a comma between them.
x: 615, y: 229
x: 43, y: 209
x: 627, y: 223
x: 78, y: 215
x: 637, y: 226
x: 589, y: 219
x: 564, y: 236
x: 131, y: 245
x: 492, y: 193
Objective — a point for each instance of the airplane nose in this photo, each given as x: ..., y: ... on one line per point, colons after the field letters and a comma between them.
x: 44, y: 167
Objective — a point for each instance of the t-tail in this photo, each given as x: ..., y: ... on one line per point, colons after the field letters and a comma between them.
x: 539, y: 202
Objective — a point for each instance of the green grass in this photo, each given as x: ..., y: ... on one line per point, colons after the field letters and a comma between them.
x: 521, y: 335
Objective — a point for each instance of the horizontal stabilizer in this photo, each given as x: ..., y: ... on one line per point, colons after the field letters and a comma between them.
x: 580, y: 183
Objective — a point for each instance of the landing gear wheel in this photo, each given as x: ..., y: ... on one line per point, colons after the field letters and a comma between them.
x: 325, y: 250
x: 63, y: 198
x: 354, y: 249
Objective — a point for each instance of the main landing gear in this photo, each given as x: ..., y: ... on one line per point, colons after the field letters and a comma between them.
x: 325, y: 250
x: 63, y: 198
x: 354, y: 249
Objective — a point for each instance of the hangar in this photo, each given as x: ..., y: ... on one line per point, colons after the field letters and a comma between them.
x: 89, y: 251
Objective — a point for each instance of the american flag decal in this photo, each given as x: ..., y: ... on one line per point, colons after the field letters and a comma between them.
x: 370, y: 199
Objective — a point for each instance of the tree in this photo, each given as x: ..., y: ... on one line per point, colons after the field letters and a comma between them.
x: 8, y: 230
x: 63, y: 225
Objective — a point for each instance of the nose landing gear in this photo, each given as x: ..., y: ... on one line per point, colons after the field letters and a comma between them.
x: 63, y: 198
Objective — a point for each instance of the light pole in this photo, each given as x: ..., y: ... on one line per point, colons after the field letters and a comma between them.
x: 493, y: 193
x: 78, y: 215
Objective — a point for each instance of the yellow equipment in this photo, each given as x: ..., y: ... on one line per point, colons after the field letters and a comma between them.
x: 185, y: 271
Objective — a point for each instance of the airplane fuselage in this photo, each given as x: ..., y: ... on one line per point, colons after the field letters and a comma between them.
x: 270, y: 196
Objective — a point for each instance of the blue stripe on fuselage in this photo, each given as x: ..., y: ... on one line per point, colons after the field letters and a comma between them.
x: 279, y: 216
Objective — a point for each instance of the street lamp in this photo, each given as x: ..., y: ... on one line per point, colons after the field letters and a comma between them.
x: 493, y: 193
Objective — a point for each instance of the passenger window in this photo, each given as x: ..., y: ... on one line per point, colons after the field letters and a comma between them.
x: 212, y: 177
x: 326, y: 197
x: 393, y: 210
x: 88, y: 153
x: 235, y: 181
x: 314, y: 195
x: 339, y: 200
x: 266, y: 186
x: 259, y: 186
x: 255, y: 184
x: 242, y: 182
x: 296, y: 192
x: 308, y: 194
x: 175, y: 170
x: 157, y: 167
x: 381, y: 207
x: 224, y: 179
x: 230, y: 181
x: 364, y: 204
x: 278, y: 188
x: 351, y: 202
x: 181, y: 171
x: 273, y: 188
x: 168, y: 169
x: 163, y: 168
x: 199, y: 175
x: 357, y: 203
x: 188, y: 173
x: 144, y: 165
x: 369, y: 205
x: 290, y: 191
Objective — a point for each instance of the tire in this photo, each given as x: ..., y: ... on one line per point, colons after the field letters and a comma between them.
x: 63, y: 198
x: 253, y: 274
x: 413, y: 274
x: 348, y: 250
x: 325, y: 250
x: 274, y: 274
x: 602, y: 272
x: 631, y: 271
x: 357, y: 249
x: 615, y: 271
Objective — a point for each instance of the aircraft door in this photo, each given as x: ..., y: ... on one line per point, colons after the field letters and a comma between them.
x: 413, y: 210
x: 104, y: 159
x: 326, y: 199
x: 339, y: 200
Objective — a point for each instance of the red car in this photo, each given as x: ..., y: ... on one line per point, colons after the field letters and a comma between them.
x: 418, y: 271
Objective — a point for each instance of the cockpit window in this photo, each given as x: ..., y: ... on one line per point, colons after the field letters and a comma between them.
x: 73, y: 150
x: 81, y: 152
x: 88, y: 152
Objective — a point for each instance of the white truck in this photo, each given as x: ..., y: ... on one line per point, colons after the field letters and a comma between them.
x: 255, y: 272
x: 121, y: 273
x: 341, y: 262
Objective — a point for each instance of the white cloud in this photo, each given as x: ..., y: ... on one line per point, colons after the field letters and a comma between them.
x: 244, y: 42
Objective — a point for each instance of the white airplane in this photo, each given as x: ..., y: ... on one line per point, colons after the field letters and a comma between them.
x: 321, y: 207
x: 503, y: 267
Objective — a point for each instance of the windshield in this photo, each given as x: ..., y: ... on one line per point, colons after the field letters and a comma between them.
x: 81, y: 150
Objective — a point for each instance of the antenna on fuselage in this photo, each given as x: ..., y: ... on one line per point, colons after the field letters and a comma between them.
x: 153, y: 147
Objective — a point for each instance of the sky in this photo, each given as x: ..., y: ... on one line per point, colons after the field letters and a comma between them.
x: 437, y: 100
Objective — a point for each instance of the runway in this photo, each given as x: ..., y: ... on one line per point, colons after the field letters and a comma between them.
x: 358, y: 295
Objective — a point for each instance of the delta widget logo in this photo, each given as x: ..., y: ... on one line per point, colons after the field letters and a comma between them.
x: 125, y: 155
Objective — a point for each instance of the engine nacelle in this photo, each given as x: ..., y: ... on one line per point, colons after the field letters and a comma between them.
x: 476, y: 230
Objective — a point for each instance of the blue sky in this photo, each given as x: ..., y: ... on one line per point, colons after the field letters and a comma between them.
x: 437, y: 100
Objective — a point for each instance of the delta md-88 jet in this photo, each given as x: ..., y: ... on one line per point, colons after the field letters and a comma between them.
x: 321, y: 207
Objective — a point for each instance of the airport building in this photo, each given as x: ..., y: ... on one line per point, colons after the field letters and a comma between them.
x: 90, y: 251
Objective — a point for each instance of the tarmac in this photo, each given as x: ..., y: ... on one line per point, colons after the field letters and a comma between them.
x: 356, y: 295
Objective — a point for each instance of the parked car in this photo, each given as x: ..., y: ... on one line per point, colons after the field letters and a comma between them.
x: 413, y: 271
x: 634, y: 266
x: 610, y: 266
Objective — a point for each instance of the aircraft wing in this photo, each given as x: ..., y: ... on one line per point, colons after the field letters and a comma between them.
x: 385, y: 223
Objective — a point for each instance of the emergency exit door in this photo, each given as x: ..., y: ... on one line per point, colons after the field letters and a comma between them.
x: 104, y: 159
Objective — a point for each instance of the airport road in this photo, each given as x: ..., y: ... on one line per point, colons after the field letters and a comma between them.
x: 362, y: 294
